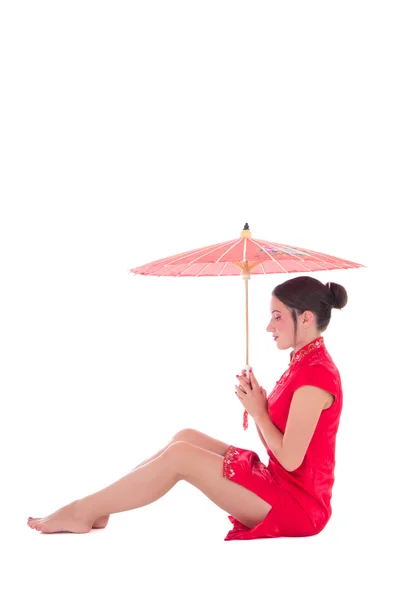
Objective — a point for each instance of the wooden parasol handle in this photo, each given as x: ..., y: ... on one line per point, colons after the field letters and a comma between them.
x: 246, y: 277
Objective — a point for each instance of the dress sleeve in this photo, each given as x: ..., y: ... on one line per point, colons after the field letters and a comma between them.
x: 318, y: 376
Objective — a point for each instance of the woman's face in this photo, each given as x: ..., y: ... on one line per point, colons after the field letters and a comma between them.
x: 281, y: 324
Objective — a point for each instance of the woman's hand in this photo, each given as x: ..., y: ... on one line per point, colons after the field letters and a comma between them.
x: 252, y: 396
x: 247, y: 380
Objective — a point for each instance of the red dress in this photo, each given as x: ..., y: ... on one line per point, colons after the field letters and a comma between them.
x: 300, y: 499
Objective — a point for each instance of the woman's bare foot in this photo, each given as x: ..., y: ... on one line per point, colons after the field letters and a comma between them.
x: 69, y: 518
x: 100, y: 523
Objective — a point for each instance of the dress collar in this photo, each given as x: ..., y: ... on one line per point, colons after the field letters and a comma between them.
x: 314, y: 345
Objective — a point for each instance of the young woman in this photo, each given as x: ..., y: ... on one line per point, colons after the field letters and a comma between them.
x: 297, y: 423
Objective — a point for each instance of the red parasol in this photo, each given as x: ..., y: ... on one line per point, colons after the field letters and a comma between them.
x: 243, y: 256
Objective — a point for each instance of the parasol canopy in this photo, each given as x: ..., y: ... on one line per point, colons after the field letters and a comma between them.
x: 244, y: 256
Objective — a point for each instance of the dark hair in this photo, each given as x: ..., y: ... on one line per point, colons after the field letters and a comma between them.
x: 307, y: 293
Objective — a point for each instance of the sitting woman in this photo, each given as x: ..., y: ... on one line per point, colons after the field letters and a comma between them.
x: 297, y: 423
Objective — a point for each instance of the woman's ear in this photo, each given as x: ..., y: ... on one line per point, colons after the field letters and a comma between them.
x: 307, y: 316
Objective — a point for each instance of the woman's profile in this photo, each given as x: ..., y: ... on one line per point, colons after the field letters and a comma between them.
x: 297, y: 424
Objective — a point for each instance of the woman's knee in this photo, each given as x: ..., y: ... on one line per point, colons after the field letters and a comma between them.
x: 198, y: 438
x: 185, y: 435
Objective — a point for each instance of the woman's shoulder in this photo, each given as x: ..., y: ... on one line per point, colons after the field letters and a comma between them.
x: 323, y: 359
x: 325, y: 368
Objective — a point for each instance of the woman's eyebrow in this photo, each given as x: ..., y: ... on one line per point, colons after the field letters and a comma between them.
x: 275, y: 311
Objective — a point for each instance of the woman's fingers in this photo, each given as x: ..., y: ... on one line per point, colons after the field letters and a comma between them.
x: 244, y: 375
x: 247, y: 380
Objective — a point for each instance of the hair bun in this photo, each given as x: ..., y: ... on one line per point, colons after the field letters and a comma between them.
x: 338, y: 294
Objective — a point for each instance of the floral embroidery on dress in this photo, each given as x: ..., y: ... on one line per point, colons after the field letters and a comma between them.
x: 229, y: 457
x: 314, y: 345
x: 296, y: 357
x: 284, y: 377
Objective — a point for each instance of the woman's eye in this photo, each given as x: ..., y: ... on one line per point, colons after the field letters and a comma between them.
x: 277, y: 318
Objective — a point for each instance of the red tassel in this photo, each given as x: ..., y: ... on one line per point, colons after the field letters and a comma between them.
x: 245, y: 420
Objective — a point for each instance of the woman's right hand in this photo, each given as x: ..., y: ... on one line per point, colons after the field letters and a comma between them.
x: 244, y: 374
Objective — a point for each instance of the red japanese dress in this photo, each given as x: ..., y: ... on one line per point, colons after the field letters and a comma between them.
x: 300, y: 499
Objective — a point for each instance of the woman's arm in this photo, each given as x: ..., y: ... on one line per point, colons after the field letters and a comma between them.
x: 305, y: 409
x: 271, y: 436
x: 262, y: 437
x: 264, y: 393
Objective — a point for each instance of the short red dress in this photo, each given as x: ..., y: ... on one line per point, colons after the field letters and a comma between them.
x: 300, y: 499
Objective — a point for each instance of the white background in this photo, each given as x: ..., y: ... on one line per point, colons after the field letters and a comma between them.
x: 132, y: 131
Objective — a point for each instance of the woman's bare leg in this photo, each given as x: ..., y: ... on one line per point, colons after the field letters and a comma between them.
x: 181, y: 461
x: 185, y: 435
x: 103, y: 521
x: 194, y: 437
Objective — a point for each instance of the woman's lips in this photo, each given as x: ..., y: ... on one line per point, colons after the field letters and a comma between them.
x: 276, y: 337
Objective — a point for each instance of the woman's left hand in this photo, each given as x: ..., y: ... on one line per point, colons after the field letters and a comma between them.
x: 251, y: 396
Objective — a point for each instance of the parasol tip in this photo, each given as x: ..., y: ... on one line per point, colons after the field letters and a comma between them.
x: 246, y: 233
